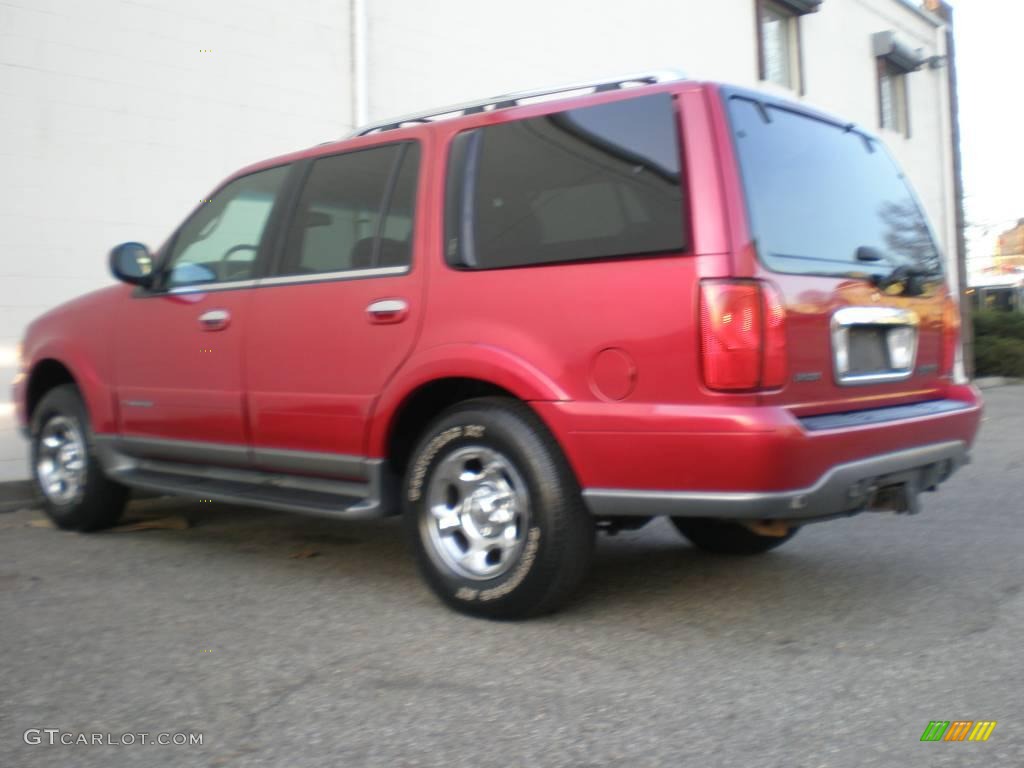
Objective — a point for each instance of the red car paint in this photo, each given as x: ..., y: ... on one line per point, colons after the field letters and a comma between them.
x: 607, y: 353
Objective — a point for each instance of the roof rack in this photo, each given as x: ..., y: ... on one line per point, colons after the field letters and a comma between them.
x: 515, y: 99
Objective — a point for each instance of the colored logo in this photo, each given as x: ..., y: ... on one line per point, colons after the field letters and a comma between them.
x: 958, y: 730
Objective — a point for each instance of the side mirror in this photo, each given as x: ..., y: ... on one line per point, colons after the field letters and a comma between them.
x: 132, y: 263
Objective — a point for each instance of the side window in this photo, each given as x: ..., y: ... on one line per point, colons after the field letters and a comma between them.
x: 220, y: 242
x: 590, y: 183
x: 397, y: 227
x: 355, y: 212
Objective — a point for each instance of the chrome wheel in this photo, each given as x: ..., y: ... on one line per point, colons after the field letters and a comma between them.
x: 61, y: 460
x: 477, y: 513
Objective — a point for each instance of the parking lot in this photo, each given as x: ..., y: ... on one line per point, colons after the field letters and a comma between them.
x: 293, y: 641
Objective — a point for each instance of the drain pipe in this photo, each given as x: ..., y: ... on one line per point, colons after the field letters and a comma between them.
x: 942, y: 9
x: 360, y: 85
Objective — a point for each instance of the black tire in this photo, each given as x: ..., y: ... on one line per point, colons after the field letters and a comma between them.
x: 99, y: 501
x: 555, y: 534
x: 724, y: 537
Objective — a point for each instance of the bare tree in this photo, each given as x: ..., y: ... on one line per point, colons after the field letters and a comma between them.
x: 907, y: 235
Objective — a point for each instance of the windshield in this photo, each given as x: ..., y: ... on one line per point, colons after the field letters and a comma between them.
x: 823, y: 199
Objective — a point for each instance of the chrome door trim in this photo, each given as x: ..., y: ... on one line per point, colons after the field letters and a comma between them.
x: 324, y: 277
x: 843, y: 319
x: 211, y: 287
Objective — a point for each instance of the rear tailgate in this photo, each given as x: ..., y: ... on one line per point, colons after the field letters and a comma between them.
x: 838, y: 334
x: 838, y: 231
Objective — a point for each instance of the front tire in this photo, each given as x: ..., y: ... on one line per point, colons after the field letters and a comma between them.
x: 77, y: 496
x: 725, y: 537
x: 494, y: 513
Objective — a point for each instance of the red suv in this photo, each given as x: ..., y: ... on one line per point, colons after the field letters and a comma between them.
x: 520, y: 321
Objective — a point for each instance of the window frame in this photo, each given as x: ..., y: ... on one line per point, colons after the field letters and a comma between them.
x: 765, y: 101
x: 456, y: 179
x: 289, y: 211
x: 264, y: 253
x: 900, y: 96
x: 792, y: 17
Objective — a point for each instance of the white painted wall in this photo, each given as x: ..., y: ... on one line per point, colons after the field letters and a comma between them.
x: 114, y: 124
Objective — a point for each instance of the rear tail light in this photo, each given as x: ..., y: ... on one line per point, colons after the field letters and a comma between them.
x: 950, y: 334
x: 773, y: 372
x: 743, y: 335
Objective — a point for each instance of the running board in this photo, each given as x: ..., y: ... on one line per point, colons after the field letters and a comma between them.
x: 292, y: 493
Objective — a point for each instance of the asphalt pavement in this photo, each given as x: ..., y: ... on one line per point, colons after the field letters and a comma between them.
x: 291, y: 641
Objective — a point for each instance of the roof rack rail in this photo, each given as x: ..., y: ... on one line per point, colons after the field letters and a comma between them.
x: 515, y: 99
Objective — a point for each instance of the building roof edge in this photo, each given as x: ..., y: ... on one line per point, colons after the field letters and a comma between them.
x: 924, y: 13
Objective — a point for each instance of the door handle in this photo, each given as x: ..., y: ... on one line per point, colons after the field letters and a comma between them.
x: 388, y: 311
x: 214, y: 320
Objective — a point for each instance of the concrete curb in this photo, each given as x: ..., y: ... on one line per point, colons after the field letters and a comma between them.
x: 16, y: 494
x: 991, y: 382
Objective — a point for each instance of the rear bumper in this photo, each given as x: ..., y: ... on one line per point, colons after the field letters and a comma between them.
x: 844, y: 489
x: 757, y: 461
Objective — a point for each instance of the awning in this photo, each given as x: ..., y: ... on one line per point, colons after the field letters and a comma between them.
x: 800, y: 7
x: 898, y: 54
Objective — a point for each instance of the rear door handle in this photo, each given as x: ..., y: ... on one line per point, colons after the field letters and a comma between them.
x: 214, y: 320
x: 388, y: 311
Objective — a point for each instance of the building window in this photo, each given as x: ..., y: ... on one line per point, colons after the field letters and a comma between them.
x: 895, y: 60
x: 780, y: 53
x: 778, y: 35
x: 892, y: 98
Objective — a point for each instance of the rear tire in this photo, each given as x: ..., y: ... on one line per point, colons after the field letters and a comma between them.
x: 725, y: 537
x: 494, y: 513
x: 76, y: 494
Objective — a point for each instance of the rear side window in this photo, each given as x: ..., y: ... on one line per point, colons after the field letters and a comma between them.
x: 590, y: 183
x: 355, y: 212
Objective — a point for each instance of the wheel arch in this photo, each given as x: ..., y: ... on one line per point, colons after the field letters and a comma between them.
x: 46, y: 374
x: 437, y: 380
x: 51, y: 369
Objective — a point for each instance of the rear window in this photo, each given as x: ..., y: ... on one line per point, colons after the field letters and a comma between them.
x: 818, y: 194
x: 590, y: 183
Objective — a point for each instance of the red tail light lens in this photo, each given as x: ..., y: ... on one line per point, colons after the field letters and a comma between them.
x: 743, y: 335
x: 950, y: 334
x: 773, y: 373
